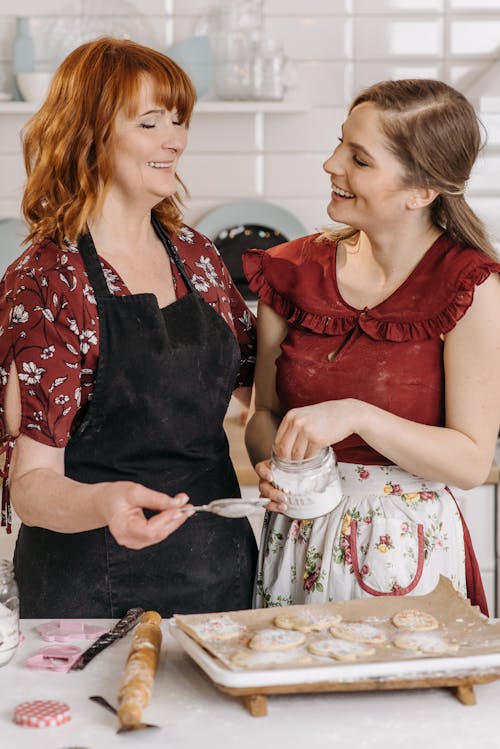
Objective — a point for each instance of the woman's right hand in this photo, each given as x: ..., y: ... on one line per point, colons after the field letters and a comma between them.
x: 267, y: 490
x: 125, y: 518
x: 116, y: 504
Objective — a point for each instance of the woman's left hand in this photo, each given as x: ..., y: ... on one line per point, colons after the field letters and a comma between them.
x: 304, y: 431
x: 277, y: 499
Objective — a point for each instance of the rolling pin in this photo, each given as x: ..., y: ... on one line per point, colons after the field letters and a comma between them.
x: 140, y: 669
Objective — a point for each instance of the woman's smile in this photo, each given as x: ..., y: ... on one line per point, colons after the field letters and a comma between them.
x: 339, y: 192
x: 160, y: 164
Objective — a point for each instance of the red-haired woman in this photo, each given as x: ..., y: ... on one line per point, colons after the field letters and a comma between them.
x: 122, y: 338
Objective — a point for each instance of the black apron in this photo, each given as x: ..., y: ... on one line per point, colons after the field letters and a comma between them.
x: 163, y: 384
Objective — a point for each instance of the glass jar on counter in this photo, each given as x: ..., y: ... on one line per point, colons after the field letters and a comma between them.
x: 312, y: 485
x: 9, y: 612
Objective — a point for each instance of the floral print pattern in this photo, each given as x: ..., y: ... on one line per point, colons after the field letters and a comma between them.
x: 392, y: 533
x: 313, y: 573
x: 49, y: 327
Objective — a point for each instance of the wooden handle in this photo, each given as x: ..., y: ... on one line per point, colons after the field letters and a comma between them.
x: 140, y: 669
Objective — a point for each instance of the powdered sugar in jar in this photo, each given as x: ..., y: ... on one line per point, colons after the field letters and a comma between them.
x: 312, y: 485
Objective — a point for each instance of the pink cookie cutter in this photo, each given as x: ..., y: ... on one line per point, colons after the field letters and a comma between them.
x: 62, y: 630
x: 55, y: 657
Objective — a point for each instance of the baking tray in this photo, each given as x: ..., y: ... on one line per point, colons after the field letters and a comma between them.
x: 410, y: 668
x: 477, y: 661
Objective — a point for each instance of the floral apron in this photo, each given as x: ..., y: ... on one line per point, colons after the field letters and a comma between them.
x: 391, y: 534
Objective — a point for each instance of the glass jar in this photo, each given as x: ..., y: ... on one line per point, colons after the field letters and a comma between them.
x: 234, y: 28
x: 312, y: 485
x: 273, y: 73
x: 9, y: 612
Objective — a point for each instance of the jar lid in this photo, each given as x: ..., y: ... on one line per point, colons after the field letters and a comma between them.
x: 42, y: 713
x: 324, y: 455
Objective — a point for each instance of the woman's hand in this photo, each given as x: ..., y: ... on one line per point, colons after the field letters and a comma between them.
x: 125, y: 518
x: 304, y: 431
x: 267, y: 490
x: 117, y: 504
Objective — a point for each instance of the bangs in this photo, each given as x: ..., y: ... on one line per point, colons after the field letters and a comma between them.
x: 172, y: 89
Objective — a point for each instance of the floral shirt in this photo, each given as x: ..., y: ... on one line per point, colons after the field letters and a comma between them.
x: 49, y: 326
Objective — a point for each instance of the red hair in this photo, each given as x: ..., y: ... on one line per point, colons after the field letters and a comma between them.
x: 65, y: 143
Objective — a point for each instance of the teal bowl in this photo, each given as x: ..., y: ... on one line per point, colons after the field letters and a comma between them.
x: 195, y: 56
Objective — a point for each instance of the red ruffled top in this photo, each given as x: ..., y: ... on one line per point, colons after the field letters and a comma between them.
x: 390, y: 355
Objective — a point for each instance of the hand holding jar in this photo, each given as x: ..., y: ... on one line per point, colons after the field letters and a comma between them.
x: 311, y: 485
x: 303, y: 431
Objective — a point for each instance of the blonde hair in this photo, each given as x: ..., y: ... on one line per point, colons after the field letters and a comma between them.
x: 434, y: 132
x: 66, y: 143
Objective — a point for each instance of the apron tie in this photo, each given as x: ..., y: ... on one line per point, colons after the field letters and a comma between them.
x: 6, y: 451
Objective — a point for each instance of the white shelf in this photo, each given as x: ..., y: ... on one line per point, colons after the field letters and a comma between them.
x: 202, y: 107
x: 218, y: 106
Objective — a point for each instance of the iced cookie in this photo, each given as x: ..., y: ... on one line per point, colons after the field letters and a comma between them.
x: 341, y: 650
x: 425, y: 642
x: 415, y: 620
x: 306, y: 622
x: 358, y: 632
x: 268, y: 640
x: 255, y: 659
x: 218, y: 628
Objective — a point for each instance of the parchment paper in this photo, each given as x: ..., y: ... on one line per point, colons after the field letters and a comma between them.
x: 458, y: 622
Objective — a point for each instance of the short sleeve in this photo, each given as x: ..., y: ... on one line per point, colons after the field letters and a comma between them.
x: 298, y: 281
x: 45, y: 328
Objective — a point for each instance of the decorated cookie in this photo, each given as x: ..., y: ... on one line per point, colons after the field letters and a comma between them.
x: 432, y: 643
x: 218, y: 628
x: 341, y: 650
x: 306, y: 622
x: 254, y: 659
x: 358, y: 632
x: 268, y: 640
x: 415, y: 620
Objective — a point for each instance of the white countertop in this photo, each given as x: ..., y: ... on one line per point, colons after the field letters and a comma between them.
x: 193, y: 713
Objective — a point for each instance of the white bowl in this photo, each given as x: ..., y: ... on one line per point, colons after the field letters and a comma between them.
x: 33, y: 86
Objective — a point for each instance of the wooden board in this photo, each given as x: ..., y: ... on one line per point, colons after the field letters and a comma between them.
x: 255, y: 700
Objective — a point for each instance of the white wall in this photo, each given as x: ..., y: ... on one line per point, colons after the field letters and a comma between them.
x: 337, y: 45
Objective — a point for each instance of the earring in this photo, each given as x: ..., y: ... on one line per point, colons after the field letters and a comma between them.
x: 413, y: 205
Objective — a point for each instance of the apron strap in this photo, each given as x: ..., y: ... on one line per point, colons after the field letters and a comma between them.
x: 95, y: 272
x: 172, y: 251
x: 87, y: 249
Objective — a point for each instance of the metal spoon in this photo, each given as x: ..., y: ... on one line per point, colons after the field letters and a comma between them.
x: 104, y: 703
x: 231, y: 507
